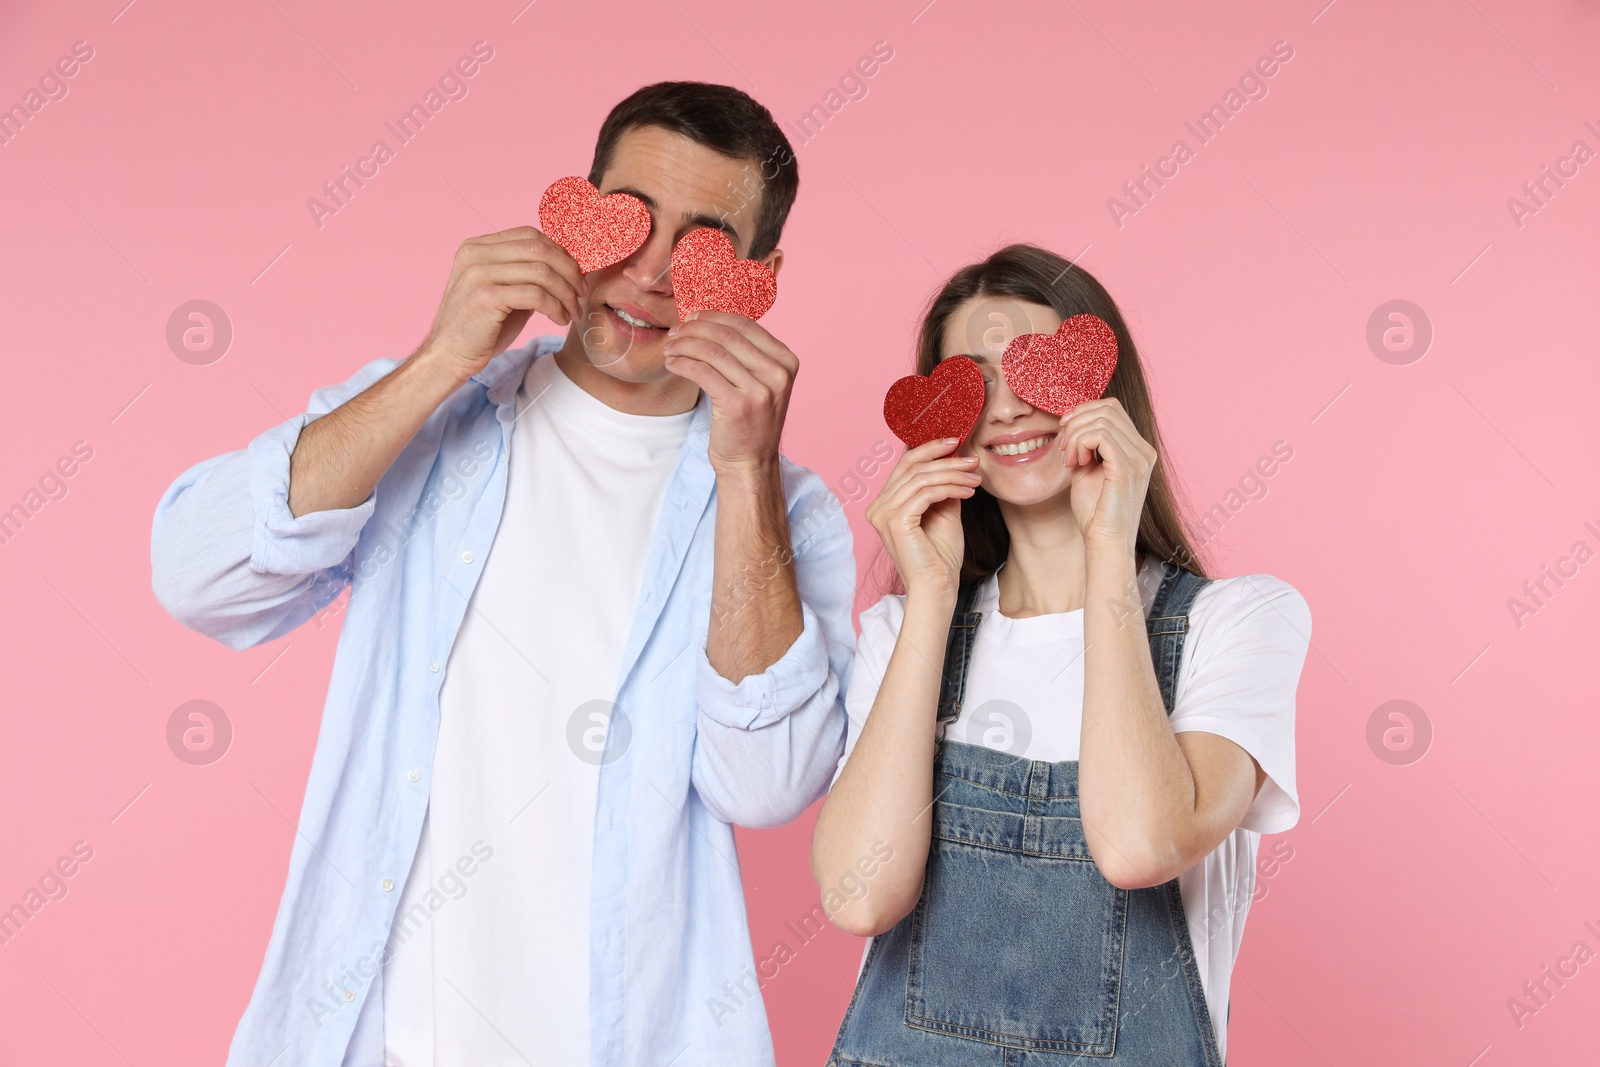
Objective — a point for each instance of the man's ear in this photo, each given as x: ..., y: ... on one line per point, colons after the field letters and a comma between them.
x: 773, y: 260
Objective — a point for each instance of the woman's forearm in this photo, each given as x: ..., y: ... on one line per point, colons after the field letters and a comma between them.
x: 883, y: 796
x: 1136, y: 790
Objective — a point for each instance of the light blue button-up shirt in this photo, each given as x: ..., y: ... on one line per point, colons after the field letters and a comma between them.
x: 671, y: 973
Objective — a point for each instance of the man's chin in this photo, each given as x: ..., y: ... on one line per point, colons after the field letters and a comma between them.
x: 639, y: 361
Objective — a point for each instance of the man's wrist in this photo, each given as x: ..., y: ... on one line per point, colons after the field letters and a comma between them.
x: 759, y: 481
x: 760, y: 471
x: 435, y: 372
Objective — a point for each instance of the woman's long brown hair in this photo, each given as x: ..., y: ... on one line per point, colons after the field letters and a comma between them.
x: 1035, y: 275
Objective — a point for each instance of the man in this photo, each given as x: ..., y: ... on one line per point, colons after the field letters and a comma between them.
x: 595, y: 619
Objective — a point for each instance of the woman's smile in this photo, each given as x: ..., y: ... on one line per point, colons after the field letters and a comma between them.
x: 1016, y: 449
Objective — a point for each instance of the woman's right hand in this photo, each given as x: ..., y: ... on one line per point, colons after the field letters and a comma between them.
x: 918, y: 515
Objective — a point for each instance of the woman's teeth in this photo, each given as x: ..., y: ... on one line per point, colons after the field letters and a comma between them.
x: 631, y: 321
x: 1021, y: 446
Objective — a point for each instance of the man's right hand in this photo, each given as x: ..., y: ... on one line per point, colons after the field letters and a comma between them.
x: 497, y: 281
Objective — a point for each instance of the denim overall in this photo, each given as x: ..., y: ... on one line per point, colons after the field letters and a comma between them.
x: 1020, y: 953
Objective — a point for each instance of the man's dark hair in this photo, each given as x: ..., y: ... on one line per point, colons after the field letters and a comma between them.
x: 726, y: 121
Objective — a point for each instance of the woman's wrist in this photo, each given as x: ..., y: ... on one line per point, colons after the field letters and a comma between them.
x: 937, y: 601
x: 1101, y: 551
x: 1112, y: 580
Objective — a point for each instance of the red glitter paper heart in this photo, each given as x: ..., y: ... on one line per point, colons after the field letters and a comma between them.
x: 596, y: 230
x: 946, y: 403
x: 707, y: 273
x: 1057, y: 372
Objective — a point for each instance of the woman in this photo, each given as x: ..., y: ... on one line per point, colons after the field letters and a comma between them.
x: 1064, y: 739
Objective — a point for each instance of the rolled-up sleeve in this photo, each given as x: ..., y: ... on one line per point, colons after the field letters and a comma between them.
x: 767, y: 746
x: 281, y: 543
x: 783, y: 688
x: 229, y: 560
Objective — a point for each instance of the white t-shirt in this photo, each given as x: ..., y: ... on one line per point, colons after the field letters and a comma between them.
x: 494, y: 964
x: 1241, y: 664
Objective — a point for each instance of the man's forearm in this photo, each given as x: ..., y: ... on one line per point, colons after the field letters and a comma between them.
x: 755, y: 606
x: 340, y: 457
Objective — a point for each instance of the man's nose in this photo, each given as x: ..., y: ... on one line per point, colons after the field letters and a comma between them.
x: 650, y: 268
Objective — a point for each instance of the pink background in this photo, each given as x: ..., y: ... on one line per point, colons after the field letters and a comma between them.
x: 1418, y: 500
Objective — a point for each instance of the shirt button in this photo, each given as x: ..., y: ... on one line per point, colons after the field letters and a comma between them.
x: 434, y: 666
x: 349, y: 994
x: 415, y: 776
x: 466, y: 557
x: 387, y: 884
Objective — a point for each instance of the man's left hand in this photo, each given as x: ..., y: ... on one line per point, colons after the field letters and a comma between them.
x: 748, y: 374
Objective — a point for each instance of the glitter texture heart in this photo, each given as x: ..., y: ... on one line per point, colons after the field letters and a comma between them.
x: 708, y: 274
x: 946, y: 403
x: 1057, y: 372
x: 596, y: 230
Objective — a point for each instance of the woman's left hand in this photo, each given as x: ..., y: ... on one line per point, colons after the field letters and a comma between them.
x: 1107, y: 493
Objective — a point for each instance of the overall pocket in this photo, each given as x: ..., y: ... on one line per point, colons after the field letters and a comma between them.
x: 1018, y: 938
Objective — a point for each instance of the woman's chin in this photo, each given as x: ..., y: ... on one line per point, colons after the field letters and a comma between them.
x: 1027, y: 486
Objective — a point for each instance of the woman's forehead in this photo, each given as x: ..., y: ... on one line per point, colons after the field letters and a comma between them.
x: 984, y: 325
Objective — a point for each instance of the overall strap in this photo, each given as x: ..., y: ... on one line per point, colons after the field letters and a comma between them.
x: 1168, y: 625
x: 957, y: 652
